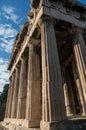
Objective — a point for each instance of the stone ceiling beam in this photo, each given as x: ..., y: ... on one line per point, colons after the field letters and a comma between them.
x: 57, y: 14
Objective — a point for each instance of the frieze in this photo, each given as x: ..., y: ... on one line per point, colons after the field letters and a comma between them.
x: 67, y: 10
x: 61, y: 7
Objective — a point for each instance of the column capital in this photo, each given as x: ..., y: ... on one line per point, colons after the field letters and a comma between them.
x: 10, y: 78
x: 18, y: 65
x: 77, y: 30
x: 45, y: 19
x: 77, y: 35
x: 13, y: 75
x: 25, y: 55
x: 34, y: 49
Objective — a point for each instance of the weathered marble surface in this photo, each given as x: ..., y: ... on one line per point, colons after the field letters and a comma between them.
x: 78, y: 124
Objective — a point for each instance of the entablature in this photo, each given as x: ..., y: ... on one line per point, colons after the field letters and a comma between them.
x: 69, y: 4
x: 70, y: 7
x: 67, y: 10
x: 17, y: 44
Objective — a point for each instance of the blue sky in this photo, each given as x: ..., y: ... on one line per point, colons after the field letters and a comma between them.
x: 12, y: 16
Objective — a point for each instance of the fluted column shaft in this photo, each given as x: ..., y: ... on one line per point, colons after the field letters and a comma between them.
x: 80, y: 92
x: 11, y: 95
x: 80, y: 57
x: 15, y: 94
x: 67, y: 101
x: 53, y: 108
x: 69, y: 98
x: 33, y: 109
x: 21, y: 105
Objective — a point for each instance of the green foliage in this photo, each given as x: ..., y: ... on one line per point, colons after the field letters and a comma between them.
x: 3, y: 99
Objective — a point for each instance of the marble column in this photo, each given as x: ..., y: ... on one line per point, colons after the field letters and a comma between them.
x: 11, y: 95
x: 68, y: 93
x: 79, y: 48
x: 15, y: 93
x: 8, y: 98
x: 67, y: 100
x: 80, y: 92
x: 53, y: 106
x: 33, y: 107
x: 21, y: 105
x: 69, y: 103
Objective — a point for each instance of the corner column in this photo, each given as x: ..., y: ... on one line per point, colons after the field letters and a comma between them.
x: 15, y: 94
x: 21, y: 105
x: 79, y: 48
x: 53, y: 106
x: 33, y: 108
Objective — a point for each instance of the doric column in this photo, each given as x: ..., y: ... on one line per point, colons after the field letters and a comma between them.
x: 11, y: 95
x: 53, y: 106
x: 21, y: 105
x: 8, y: 98
x: 15, y: 93
x: 80, y: 92
x: 33, y: 110
x: 69, y: 102
x: 79, y: 48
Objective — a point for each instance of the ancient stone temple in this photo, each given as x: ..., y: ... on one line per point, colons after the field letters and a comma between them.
x: 48, y: 66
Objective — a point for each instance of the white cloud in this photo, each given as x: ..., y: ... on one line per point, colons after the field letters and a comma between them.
x: 3, y: 72
x: 7, y: 35
x: 7, y: 31
x: 9, y: 13
x: 7, y: 45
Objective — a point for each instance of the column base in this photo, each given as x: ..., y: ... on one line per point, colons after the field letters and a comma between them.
x: 83, y: 114
x: 4, y: 126
x: 23, y: 122
x: 51, y: 125
x: 73, y: 124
